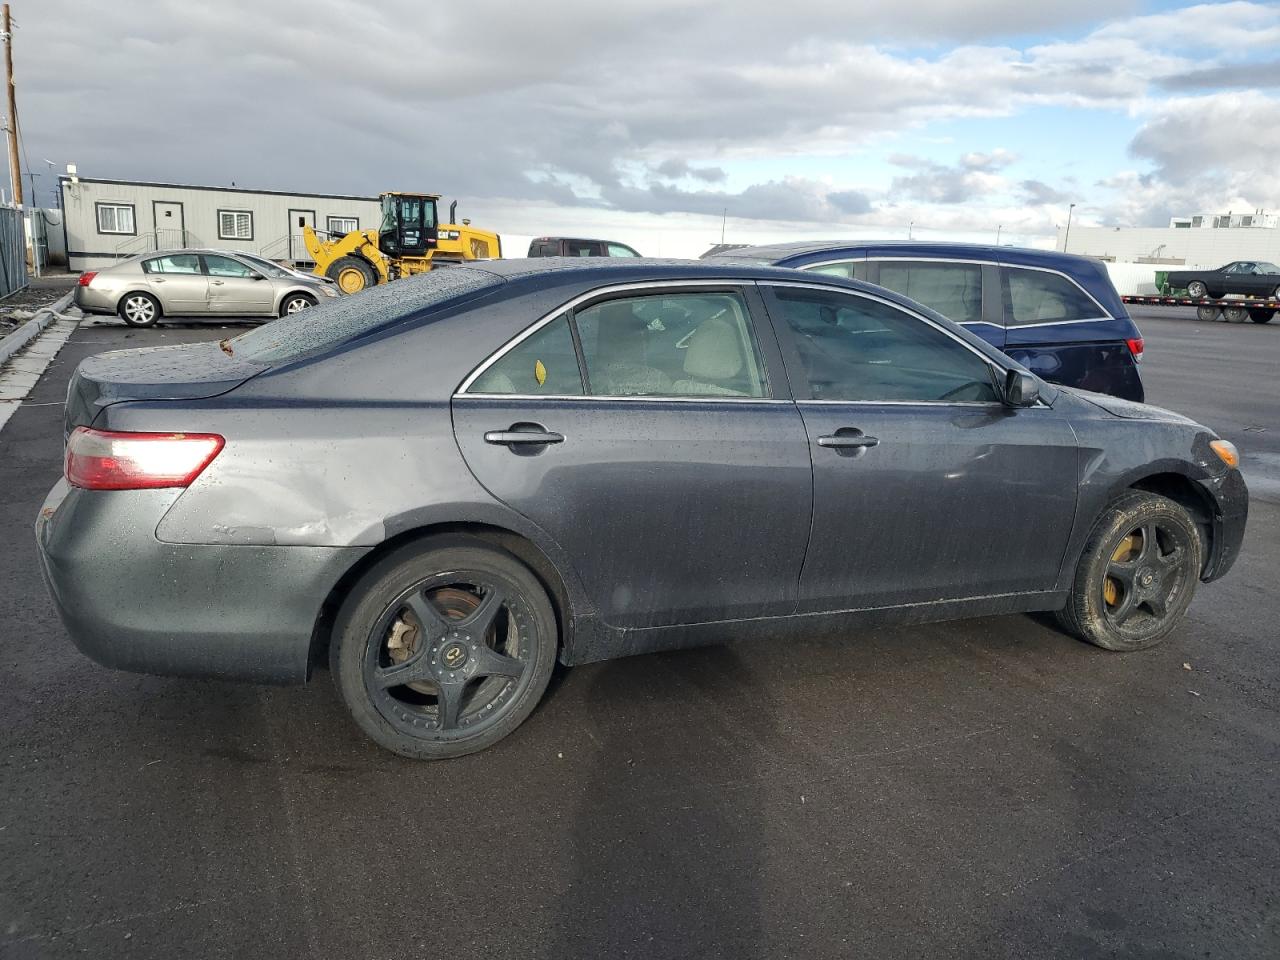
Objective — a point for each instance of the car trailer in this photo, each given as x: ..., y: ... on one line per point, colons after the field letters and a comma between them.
x: 1230, y: 309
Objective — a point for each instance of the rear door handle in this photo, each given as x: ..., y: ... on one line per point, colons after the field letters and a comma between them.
x: 848, y: 440
x: 508, y: 437
x: 216, y: 283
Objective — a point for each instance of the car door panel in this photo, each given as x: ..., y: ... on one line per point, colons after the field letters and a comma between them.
x: 236, y: 289
x: 953, y: 501
x: 672, y: 511
x: 917, y: 501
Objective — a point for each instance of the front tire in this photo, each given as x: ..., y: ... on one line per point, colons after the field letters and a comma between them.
x: 1196, y: 290
x: 1207, y: 313
x: 443, y: 648
x: 1137, y: 574
x: 351, y: 274
x: 295, y: 303
x: 139, y: 309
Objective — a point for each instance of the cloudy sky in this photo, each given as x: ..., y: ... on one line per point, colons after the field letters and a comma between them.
x: 644, y: 120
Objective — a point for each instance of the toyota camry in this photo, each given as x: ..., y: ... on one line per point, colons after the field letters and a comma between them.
x: 442, y: 486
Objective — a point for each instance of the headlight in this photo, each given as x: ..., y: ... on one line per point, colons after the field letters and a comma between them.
x: 1226, y: 451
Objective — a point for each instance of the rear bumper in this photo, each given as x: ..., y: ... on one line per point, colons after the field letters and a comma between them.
x: 93, y: 301
x: 134, y: 603
x: 1231, y: 499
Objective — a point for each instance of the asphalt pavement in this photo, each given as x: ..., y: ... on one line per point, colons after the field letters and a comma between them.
x: 985, y: 788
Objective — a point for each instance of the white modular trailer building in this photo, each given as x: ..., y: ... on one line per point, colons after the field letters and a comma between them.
x: 1173, y: 246
x: 108, y: 220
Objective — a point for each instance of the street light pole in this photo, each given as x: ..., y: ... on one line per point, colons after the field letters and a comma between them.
x: 1067, y: 236
x: 910, y: 227
x: 998, y: 229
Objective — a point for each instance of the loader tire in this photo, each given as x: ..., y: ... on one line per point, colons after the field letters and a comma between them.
x: 351, y: 274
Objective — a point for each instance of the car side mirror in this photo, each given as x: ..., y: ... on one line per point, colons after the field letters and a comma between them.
x: 257, y: 276
x: 1021, y: 389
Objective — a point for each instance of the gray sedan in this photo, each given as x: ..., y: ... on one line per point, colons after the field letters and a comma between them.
x: 443, y: 485
x: 198, y: 283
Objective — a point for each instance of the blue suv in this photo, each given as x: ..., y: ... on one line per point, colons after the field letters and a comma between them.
x: 1055, y: 313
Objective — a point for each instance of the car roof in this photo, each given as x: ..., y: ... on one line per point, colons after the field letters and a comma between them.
x: 785, y: 253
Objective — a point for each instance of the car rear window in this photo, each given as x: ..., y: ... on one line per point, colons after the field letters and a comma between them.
x: 349, y: 317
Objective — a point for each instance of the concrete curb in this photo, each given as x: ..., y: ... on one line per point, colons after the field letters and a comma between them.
x: 19, y: 338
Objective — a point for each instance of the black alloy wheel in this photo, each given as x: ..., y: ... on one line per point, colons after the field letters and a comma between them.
x: 445, y: 651
x: 1137, y: 574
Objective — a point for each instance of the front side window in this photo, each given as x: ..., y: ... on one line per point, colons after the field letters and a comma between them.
x: 174, y: 263
x: 671, y: 345
x: 842, y: 269
x: 1037, y: 296
x: 858, y: 349
x: 952, y: 289
x: 620, y: 250
x: 235, y: 225
x: 544, y: 363
x: 343, y: 225
x: 226, y: 267
x: 115, y: 218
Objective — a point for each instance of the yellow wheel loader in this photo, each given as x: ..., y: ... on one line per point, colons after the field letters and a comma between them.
x: 410, y: 240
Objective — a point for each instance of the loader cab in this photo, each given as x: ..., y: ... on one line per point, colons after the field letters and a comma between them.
x: 409, y: 224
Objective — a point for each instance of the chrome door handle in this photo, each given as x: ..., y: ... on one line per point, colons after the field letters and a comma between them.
x: 848, y: 440
x: 508, y: 437
x: 216, y: 283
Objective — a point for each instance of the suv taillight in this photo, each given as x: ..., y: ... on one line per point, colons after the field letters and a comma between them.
x: 1135, y: 347
x: 111, y: 460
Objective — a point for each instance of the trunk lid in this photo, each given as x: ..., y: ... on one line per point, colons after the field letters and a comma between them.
x: 190, y: 371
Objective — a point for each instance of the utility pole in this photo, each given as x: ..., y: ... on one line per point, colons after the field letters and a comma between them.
x: 998, y: 229
x: 723, y: 217
x: 13, y: 109
x: 1067, y: 236
x: 910, y: 226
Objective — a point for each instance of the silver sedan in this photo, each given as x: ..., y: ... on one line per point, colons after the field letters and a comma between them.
x: 197, y: 283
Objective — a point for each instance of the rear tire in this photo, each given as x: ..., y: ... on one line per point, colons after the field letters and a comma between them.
x: 443, y: 648
x: 139, y: 309
x: 1207, y: 313
x: 1196, y: 290
x: 1136, y: 576
x: 351, y: 274
x: 1261, y: 316
x: 1235, y: 314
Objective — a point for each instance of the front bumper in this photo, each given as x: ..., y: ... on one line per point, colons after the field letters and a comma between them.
x: 1230, y: 496
x: 132, y: 602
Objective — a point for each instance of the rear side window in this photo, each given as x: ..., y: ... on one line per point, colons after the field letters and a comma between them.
x: 582, y: 248
x: 952, y: 289
x: 543, y: 363
x: 174, y: 263
x: 346, y: 318
x: 671, y: 345
x: 1037, y: 296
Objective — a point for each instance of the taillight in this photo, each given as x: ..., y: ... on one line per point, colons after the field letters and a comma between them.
x: 1135, y: 347
x: 86, y: 278
x: 110, y: 460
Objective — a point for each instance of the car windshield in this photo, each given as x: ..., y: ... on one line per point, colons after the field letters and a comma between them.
x: 1268, y: 268
x: 347, y: 318
x: 266, y: 266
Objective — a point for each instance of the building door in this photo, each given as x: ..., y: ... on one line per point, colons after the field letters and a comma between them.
x: 297, y: 248
x: 171, y: 226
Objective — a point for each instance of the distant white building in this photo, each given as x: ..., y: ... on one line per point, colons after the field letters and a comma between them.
x: 1219, y: 221
x: 106, y: 220
x: 1173, y: 245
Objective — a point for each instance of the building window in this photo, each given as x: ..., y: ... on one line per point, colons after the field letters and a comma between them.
x: 1197, y: 222
x: 115, y: 218
x: 1246, y: 221
x: 343, y: 225
x: 235, y: 225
